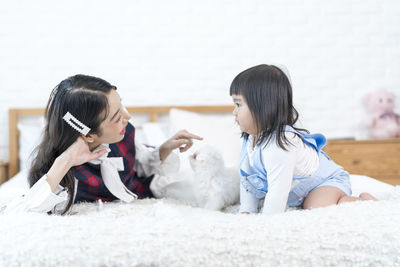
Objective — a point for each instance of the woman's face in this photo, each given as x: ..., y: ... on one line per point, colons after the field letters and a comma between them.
x: 243, y: 115
x: 113, y: 127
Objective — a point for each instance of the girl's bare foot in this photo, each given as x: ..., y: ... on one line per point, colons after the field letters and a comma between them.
x: 367, y: 196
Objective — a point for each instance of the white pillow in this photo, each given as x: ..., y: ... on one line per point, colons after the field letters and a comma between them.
x: 218, y: 130
x: 30, y: 129
x: 361, y: 183
x: 151, y: 133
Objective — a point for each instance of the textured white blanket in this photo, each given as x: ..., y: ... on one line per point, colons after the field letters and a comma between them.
x: 169, y: 233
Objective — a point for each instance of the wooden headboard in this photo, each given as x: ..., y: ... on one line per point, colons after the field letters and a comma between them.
x: 379, y: 159
x: 153, y: 112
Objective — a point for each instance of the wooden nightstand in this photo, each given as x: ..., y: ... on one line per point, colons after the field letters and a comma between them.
x: 3, y: 171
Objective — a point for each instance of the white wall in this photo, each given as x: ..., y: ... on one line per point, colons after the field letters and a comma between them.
x: 182, y: 52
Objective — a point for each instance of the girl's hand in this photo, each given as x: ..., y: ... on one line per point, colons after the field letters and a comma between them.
x: 182, y: 140
x: 78, y: 153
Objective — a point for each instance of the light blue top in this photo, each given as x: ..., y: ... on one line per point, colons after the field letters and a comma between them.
x: 254, y: 177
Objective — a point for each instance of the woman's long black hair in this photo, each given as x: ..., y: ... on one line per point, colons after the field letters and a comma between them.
x: 268, y: 94
x: 85, y: 97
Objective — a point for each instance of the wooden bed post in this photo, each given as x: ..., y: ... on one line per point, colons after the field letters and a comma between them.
x: 13, y: 116
x: 13, y: 143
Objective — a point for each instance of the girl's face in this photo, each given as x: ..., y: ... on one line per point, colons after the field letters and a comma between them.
x: 113, y: 128
x: 243, y: 115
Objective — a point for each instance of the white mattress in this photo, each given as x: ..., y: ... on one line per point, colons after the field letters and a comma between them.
x: 168, y: 233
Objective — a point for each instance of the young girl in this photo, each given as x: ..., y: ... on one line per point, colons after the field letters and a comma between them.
x: 281, y: 164
x: 75, y: 162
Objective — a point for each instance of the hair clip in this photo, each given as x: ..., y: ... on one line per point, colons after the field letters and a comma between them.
x: 76, y: 124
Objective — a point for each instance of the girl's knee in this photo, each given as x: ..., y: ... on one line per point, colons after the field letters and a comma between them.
x: 322, y: 197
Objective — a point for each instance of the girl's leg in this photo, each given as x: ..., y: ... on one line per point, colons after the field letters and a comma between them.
x: 329, y: 195
x: 363, y: 196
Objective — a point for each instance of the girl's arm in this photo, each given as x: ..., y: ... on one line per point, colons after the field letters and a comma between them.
x: 280, y: 166
x: 248, y: 202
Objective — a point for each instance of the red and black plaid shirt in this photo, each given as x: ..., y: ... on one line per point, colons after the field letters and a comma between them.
x: 91, y: 186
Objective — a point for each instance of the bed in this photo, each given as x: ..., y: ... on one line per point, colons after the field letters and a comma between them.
x: 167, y: 232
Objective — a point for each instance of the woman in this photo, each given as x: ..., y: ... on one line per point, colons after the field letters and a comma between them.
x: 88, y: 151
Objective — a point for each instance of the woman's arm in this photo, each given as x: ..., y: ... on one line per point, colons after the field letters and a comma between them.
x: 77, y: 154
x: 160, y: 160
x: 39, y: 198
x: 46, y: 194
x: 182, y: 140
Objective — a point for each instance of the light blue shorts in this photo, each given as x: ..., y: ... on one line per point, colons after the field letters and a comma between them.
x: 300, y: 191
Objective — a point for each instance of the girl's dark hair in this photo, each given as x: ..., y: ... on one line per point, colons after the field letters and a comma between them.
x: 268, y: 94
x: 85, y: 97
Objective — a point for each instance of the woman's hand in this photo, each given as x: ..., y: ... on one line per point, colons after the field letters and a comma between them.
x: 182, y: 140
x: 78, y: 153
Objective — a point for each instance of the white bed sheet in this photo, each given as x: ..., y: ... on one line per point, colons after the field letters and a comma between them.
x: 162, y: 232
x: 14, y: 187
x: 18, y: 185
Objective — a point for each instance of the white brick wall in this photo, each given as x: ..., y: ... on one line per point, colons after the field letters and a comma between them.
x: 179, y: 52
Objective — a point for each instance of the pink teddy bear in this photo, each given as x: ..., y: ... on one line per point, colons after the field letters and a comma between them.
x: 383, y: 122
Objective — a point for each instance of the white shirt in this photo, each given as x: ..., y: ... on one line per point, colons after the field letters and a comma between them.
x: 281, y: 165
x: 40, y: 198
